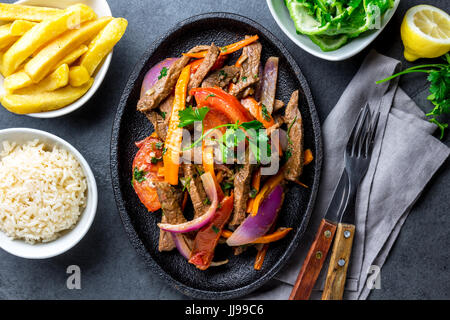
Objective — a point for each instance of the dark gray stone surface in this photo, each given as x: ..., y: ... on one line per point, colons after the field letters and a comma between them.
x: 417, y: 266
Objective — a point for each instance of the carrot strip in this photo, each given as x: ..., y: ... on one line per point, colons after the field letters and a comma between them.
x: 260, y: 256
x: 308, y: 157
x: 185, y: 199
x: 277, y: 235
x: 227, y: 49
x: 256, y: 184
x: 175, y: 134
x: 301, y: 184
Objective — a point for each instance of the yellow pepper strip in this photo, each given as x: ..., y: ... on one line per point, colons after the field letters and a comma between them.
x: 266, y: 189
x: 208, y: 166
x: 174, y: 138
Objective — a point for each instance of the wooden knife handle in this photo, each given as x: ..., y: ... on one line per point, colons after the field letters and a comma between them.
x: 340, y: 257
x: 314, y: 261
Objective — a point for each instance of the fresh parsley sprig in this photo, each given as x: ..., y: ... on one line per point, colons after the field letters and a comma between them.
x: 439, y: 78
x: 191, y: 115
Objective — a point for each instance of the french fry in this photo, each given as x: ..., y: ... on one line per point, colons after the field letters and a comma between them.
x: 78, y: 76
x: 42, y: 33
x: 42, y: 64
x: 55, y: 80
x: 103, y: 43
x: 19, y: 27
x: 6, y: 38
x: 17, y: 81
x: 1, y: 63
x: 44, y: 101
x: 21, y: 79
x: 11, y: 32
x: 74, y: 55
x: 11, y: 12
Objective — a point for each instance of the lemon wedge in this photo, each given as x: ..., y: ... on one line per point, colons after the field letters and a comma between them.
x: 425, y: 32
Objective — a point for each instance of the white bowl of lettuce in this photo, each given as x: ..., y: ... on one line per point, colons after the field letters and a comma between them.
x: 332, y: 29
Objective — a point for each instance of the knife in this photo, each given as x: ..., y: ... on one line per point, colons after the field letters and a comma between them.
x: 318, y: 252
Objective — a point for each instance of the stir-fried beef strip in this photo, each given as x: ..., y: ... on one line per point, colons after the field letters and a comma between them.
x: 204, y: 68
x: 196, y: 191
x: 293, y: 119
x: 160, y: 119
x: 249, y: 74
x: 221, y: 78
x: 165, y: 86
x: 170, y: 200
x: 269, y: 83
x: 278, y: 105
x: 241, y: 193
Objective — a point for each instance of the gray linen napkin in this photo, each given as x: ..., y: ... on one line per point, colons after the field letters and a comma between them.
x: 405, y: 158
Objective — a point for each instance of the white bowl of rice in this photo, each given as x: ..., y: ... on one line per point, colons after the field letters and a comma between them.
x: 48, y: 194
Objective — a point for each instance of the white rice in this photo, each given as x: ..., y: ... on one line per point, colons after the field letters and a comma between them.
x: 42, y: 192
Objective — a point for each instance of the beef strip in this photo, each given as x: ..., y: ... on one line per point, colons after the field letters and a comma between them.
x: 241, y: 193
x: 249, y: 74
x: 293, y: 119
x: 204, y: 68
x: 161, y: 123
x: 165, y: 86
x: 221, y: 78
x: 195, y: 189
x: 170, y: 200
x: 278, y: 105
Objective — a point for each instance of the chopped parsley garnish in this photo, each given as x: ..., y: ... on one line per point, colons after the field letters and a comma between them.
x: 164, y: 151
x: 224, y: 49
x: 163, y: 115
x: 265, y: 113
x: 210, y: 96
x: 253, y: 193
x: 190, y: 115
x: 163, y: 73
x: 215, y: 229
x: 186, y: 183
x: 244, y: 79
x: 159, y: 145
x: 139, y: 175
x: 206, y: 201
x: 223, y: 73
x: 227, y: 185
x: 155, y: 160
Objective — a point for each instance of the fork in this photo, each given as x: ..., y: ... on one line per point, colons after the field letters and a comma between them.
x: 357, y: 159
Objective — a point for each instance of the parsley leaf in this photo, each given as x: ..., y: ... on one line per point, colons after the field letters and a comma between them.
x: 139, y: 175
x: 215, y: 229
x: 163, y: 73
x: 439, y: 78
x: 265, y: 113
x: 190, y: 115
x: 163, y: 115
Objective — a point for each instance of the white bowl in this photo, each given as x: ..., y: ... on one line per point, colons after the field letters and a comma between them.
x: 102, y: 9
x: 69, y: 238
x: 281, y: 15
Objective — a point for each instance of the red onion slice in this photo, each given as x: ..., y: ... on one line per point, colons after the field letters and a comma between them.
x: 200, y: 222
x: 256, y: 226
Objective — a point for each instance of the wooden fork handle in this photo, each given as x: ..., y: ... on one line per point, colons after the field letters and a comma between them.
x: 314, y: 261
x: 340, y: 258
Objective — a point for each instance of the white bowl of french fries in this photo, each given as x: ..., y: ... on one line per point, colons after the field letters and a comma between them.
x: 54, y: 54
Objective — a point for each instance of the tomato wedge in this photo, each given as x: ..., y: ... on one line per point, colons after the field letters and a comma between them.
x: 146, y: 165
x: 218, y: 99
x: 208, y: 237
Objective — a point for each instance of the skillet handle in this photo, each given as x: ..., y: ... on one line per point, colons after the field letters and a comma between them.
x: 340, y: 258
x: 314, y: 261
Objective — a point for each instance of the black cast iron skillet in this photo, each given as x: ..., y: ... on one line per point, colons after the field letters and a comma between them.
x: 238, y: 277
